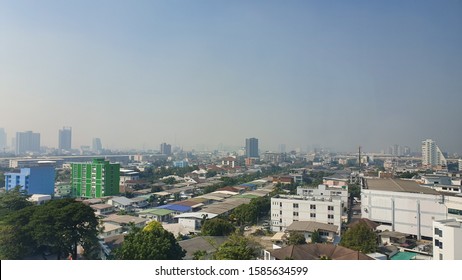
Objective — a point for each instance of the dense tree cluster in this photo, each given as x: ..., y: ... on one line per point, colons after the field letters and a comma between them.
x: 296, y: 238
x: 57, y: 227
x: 237, y: 247
x: 247, y: 214
x: 360, y: 238
x: 217, y: 227
x: 152, y: 242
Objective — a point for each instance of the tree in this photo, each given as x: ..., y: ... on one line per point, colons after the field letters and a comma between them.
x: 62, y: 225
x: 16, y: 241
x: 217, y: 227
x: 199, y: 255
x: 237, y: 247
x: 245, y: 214
x: 316, y: 237
x: 296, y: 238
x: 150, y: 243
x: 13, y: 200
x: 360, y: 238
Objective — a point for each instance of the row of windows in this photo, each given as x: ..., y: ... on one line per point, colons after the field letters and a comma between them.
x: 454, y: 211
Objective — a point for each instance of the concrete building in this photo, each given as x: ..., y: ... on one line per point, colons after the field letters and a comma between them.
x: 38, y: 179
x: 2, y: 140
x: 96, y: 146
x: 65, y: 139
x: 285, y: 209
x: 251, y: 147
x: 404, y: 206
x: 432, y: 157
x: 96, y: 179
x: 27, y: 142
x: 165, y: 149
x: 447, y: 239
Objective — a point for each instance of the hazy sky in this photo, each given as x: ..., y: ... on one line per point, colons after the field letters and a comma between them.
x: 328, y: 73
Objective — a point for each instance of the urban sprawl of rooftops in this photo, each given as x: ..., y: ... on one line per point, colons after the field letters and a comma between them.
x: 410, y: 205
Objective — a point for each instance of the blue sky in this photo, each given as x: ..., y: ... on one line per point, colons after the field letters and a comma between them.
x: 304, y: 73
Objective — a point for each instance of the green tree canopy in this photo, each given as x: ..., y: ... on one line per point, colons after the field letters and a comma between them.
x: 296, y: 238
x: 13, y: 200
x: 62, y: 225
x: 360, y: 238
x: 58, y: 226
x: 152, y: 242
x: 237, y: 247
x: 316, y: 237
x: 217, y: 227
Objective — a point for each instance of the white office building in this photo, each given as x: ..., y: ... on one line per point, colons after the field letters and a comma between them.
x: 285, y: 209
x: 404, y: 206
x: 447, y: 239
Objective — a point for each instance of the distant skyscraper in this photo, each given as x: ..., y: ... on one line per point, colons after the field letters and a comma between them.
x: 282, y: 148
x: 2, y: 139
x: 27, y: 142
x: 165, y: 149
x: 65, y: 139
x: 251, y: 147
x: 432, y: 155
x: 96, y: 146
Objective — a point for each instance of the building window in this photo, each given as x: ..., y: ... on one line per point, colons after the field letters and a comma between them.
x: 280, y: 212
x: 330, y: 208
x: 312, y: 206
x: 295, y: 214
x: 313, y: 215
x: 295, y: 205
x: 330, y: 216
x: 441, y: 256
x: 454, y: 211
x: 280, y: 204
x: 439, y: 232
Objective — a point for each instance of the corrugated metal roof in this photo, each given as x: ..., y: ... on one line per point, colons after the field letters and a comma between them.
x: 176, y: 207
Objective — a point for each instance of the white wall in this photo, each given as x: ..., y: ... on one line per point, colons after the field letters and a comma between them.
x: 403, y: 210
x: 279, y: 222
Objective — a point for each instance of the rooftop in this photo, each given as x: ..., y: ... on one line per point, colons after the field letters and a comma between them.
x: 309, y: 226
x: 396, y: 185
x: 124, y: 219
x: 318, y: 251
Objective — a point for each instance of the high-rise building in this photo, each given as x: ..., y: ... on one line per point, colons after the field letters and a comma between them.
x: 2, y: 139
x: 38, y: 179
x: 251, y: 147
x: 65, y: 139
x: 282, y: 148
x: 96, y: 179
x: 96, y: 146
x: 432, y: 155
x: 165, y: 149
x: 27, y: 142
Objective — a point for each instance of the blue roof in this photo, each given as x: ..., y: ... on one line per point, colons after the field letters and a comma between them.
x: 176, y: 207
x: 248, y: 185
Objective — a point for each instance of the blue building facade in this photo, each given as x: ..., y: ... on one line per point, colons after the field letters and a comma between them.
x: 34, y: 180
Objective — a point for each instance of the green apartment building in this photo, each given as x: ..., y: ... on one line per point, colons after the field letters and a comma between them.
x: 97, y: 179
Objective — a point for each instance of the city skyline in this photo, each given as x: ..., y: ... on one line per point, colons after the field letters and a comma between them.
x: 302, y: 74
